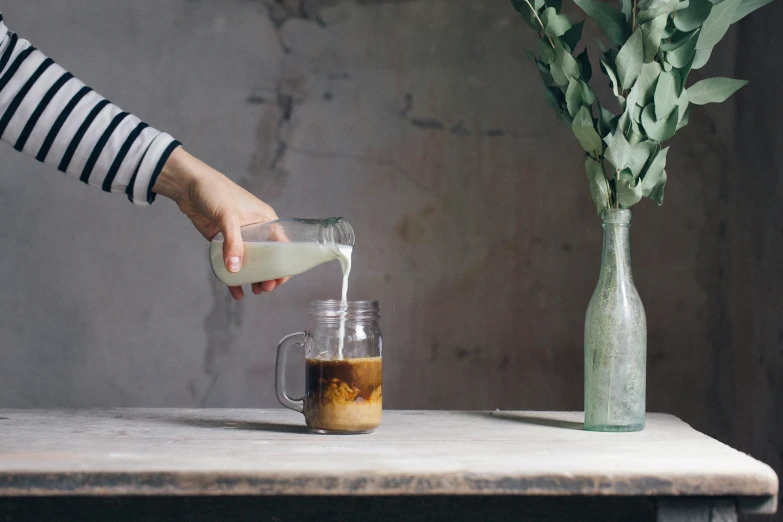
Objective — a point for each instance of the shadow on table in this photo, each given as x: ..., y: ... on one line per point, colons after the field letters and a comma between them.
x: 528, y: 419
x: 228, y: 424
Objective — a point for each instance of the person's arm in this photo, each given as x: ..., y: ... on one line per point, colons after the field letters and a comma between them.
x: 49, y: 114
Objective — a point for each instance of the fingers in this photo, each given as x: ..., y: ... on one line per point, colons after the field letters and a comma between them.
x: 264, y: 286
x: 236, y: 292
x: 233, y: 248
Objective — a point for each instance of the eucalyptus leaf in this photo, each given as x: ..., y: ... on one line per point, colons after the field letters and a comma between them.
x: 717, y: 23
x: 554, y: 24
x: 584, y: 65
x: 682, y: 105
x: 539, y: 4
x: 746, y: 7
x: 598, y: 185
x: 617, y: 150
x: 645, y: 15
x: 659, y: 130
x: 636, y: 115
x: 626, y: 6
x: 652, y: 32
x: 573, y: 97
x: 564, y: 65
x: 677, y: 39
x: 572, y: 36
x: 612, y: 77
x: 713, y: 90
x: 544, y: 73
x: 681, y: 56
x: 609, y: 20
x: 554, y: 98
x: 530, y: 55
x: 694, y: 16
x: 700, y: 58
x: 665, y: 95
x: 646, y: 82
x: 545, y: 51
x: 638, y: 155
x: 685, y: 118
x: 526, y: 12
x: 606, y: 121
x: 630, y: 60
x: 629, y: 191
x: 583, y: 129
x: 655, y: 177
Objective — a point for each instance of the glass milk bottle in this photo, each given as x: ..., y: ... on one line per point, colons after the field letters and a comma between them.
x: 285, y: 247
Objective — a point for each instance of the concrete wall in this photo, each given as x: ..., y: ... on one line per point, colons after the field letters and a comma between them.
x: 423, y: 123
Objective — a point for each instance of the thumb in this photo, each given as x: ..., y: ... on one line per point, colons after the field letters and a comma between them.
x: 233, y: 248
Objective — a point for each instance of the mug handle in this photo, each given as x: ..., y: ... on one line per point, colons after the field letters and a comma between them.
x: 295, y: 339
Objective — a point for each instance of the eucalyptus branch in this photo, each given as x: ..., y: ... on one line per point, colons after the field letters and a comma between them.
x: 650, y: 67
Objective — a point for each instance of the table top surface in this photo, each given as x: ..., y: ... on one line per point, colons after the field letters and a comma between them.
x: 270, y: 452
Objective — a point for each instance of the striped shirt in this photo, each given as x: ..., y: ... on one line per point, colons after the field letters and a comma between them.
x: 53, y: 116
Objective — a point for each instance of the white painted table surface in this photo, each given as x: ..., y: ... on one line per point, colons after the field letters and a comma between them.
x: 269, y: 452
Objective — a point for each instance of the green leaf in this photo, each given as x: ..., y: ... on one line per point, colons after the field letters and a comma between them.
x: 572, y: 36
x: 530, y: 55
x: 585, y: 132
x: 655, y: 177
x: 609, y: 20
x: 645, y: 15
x: 647, y: 77
x: 692, y: 17
x: 605, y: 121
x: 554, y: 24
x: 545, y: 51
x: 630, y: 60
x: 700, y: 58
x: 717, y: 23
x: 554, y: 98
x: 746, y: 7
x: 683, y: 54
x: 682, y: 105
x: 574, y: 100
x: 584, y: 65
x: 599, y: 190
x: 612, y: 77
x: 636, y: 115
x: 685, y: 118
x: 617, y: 150
x: 526, y: 12
x: 652, y: 32
x: 659, y: 130
x: 564, y: 65
x: 677, y: 39
x: 539, y: 4
x: 665, y: 95
x: 713, y: 90
x: 629, y: 191
x: 543, y: 72
x: 638, y: 155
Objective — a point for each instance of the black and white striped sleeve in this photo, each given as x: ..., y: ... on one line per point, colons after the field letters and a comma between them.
x: 53, y: 116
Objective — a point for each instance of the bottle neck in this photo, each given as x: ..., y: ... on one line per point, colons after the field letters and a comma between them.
x: 336, y: 232
x: 616, y: 255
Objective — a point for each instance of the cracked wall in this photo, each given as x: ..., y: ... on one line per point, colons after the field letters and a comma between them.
x: 424, y: 124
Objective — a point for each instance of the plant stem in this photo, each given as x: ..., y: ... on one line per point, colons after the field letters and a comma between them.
x: 633, y: 16
x: 535, y: 13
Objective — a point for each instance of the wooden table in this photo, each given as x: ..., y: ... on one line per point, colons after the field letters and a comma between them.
x: 506, y: 461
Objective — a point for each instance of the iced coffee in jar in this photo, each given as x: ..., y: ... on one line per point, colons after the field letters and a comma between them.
x: 343, y: 367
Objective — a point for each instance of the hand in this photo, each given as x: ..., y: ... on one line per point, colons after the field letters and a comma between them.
x: 215, y: 204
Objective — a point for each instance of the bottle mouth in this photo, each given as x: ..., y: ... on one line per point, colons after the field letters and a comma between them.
x: 338, y: 231
x: 619, y: 216
x: 335, y: 309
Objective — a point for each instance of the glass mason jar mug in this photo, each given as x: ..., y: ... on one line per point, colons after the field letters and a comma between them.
x: 343, y: 367
x: 285, y: 247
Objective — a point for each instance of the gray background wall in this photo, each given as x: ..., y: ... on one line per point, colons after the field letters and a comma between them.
x: 424, y: 124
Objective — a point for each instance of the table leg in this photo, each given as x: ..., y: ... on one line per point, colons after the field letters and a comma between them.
x: 689, y: 509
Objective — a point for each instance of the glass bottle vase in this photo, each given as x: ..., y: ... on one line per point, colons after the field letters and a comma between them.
x: 615, y: 337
